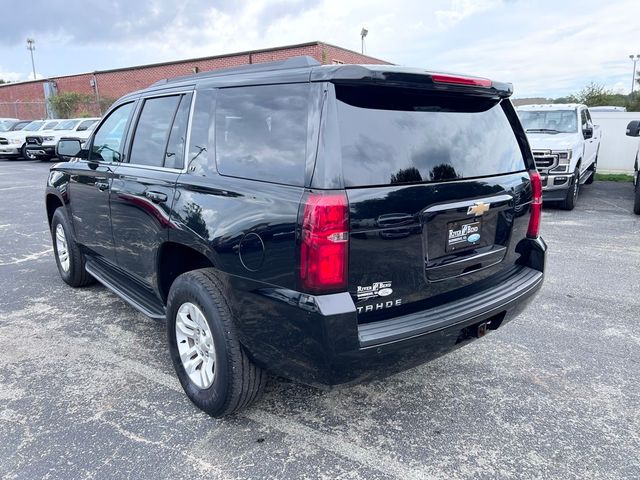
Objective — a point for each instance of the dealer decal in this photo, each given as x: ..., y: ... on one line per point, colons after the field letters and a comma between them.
x: 377, y: 289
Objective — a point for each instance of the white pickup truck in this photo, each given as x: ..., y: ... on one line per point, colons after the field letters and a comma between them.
x: 565, y: 145
x: 42, y: 145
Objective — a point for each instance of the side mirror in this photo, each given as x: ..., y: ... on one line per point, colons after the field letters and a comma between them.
x: 68, y: 147
x: 633, y: 129
x: 587, y: 132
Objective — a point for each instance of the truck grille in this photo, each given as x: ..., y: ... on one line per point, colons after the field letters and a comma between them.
x: 4, y: 141
x: 545, y: 160
x: 34, y: 140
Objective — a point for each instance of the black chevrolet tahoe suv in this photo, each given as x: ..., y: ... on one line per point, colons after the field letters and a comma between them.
x: 328, y: 224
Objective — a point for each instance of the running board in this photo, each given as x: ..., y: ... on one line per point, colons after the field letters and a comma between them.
x: 138, y: 299
x: 585, y: 176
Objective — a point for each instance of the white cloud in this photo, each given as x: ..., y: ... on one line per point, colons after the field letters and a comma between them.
x: 460, y: 9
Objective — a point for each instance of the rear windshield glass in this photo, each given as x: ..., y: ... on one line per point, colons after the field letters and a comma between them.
x: 393, y: 136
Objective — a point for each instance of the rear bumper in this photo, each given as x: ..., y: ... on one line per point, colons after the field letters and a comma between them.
x: 317, y: 339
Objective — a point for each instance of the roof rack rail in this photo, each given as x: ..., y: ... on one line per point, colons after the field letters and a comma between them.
x: 289, y: 63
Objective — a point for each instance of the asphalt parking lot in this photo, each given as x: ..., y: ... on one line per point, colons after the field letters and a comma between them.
x: 87, y: 389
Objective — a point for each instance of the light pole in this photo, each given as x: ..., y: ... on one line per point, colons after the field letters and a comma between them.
x: 635, y: 58
x: 31, y: 46
x: 363, y: 33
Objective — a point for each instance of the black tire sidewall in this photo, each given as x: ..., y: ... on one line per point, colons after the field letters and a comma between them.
x: 186, y: 288
x: 60, y: 218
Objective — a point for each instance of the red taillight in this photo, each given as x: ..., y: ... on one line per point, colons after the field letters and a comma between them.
x: 536, y: 205
x: 324, y: 246
x: 460, y: 80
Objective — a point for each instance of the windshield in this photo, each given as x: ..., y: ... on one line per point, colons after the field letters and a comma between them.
x: 550, y: 121
x: 67, y: 125
x: 5, y: 126
x: 33, y: 126
x: 50, y: 125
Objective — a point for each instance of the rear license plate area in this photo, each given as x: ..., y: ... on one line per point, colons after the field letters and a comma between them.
x: 463, y: 234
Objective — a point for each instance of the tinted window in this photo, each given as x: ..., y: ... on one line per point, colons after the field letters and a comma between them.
x: 583, y: 117
x: 391, y: 136
x: 107, y: 141
x: 200, y: 156
x: 261, y: 132
x: 174, y: 156
x: 152, y: 131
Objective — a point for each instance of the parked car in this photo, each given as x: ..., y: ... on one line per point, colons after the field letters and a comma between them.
x: 245, y: 206
x: 43, y: 145
x: 633, y: 130
x: 13, y: 144
x: 565, y: 145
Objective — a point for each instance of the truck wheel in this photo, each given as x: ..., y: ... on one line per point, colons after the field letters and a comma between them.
x: 214, y: 370
x: 569, y: 202
x: 23, y: 152
x: 636, y: 203
x: 69, y: 259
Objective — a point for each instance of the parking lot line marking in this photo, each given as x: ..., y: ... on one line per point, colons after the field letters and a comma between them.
x: 332, y: 443
x: 28, y: 258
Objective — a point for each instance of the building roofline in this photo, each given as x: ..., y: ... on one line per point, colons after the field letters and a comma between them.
x: 187, y: 60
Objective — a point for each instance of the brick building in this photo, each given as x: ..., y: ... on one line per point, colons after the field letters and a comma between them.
x: 26, y: 100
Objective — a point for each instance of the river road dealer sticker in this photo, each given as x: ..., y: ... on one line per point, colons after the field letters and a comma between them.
x: 462, y: 235
x: 378, y: 289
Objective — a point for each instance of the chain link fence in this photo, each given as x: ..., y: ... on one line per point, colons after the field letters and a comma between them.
x: 36, y: 110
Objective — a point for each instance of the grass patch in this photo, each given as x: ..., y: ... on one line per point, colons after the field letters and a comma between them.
x: 614, y: 177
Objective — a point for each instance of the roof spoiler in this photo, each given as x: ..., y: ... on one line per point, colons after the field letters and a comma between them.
x: 412, y: 78
x: 289, y: 63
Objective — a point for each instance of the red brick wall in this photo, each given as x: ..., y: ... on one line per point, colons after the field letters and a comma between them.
x: 113, y: 84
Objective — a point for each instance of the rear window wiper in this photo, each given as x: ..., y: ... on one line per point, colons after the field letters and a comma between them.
x: 545, y: 130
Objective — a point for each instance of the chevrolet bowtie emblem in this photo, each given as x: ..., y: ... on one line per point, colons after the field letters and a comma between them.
x: 478, y: 208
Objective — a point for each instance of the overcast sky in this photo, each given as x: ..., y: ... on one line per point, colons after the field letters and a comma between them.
x: 546, y: 48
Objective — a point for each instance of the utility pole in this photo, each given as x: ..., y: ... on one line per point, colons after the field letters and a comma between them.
x: 363, y: 33
x: 635, y: 58
x: 31, y: 46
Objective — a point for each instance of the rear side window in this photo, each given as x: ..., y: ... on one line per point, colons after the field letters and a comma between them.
x: 393, y: 136
x: 174, y: 156
x: 261, y: 132
x: 152, y: 131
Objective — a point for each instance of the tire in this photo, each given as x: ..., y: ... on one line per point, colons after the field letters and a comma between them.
x: 636, y: 202
x: 70, y: 263
x: 24, y: 153
x: 235, y: 381
x: 569, y: 202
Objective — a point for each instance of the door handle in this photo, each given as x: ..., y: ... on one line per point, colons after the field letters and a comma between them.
x: 102, y: 186
x: 156, y: 197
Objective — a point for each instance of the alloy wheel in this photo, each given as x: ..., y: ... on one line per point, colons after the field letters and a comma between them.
x: 195, y: 345
x: 62, y: 248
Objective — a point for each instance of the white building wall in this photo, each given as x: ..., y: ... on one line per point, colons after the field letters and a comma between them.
x: 617, y: 151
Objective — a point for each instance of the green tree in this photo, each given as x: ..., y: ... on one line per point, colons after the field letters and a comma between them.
x: 4, y: 81
x: 66, y: 104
